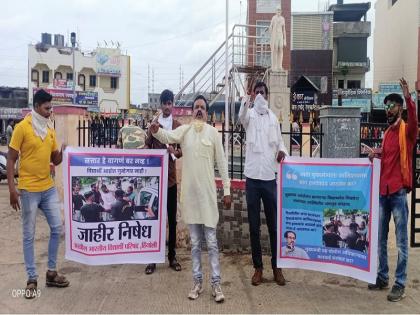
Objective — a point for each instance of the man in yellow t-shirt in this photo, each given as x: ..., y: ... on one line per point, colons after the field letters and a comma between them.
x: 34, y: 142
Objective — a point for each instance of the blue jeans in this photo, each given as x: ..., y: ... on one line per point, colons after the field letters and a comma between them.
x: 397, y: 205
x: 196, y: 234
x: 48, y: 202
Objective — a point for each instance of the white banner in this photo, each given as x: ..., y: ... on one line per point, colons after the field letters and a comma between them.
x: 115, y: 205
x: 328, y: 213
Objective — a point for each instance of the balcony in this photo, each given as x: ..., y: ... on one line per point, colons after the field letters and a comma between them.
x: 352, y: 29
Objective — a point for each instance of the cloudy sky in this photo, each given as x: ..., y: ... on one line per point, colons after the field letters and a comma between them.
x: 164, y: 34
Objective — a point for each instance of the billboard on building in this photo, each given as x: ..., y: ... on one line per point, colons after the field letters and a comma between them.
x: 108, y: 61
x: 354, y: 98
x: 64, y: 96
x: 268, y: 6
x: 385, y: 89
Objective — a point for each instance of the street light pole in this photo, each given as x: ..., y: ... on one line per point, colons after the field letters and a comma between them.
x: 227, y: 82
x: 73, y: 44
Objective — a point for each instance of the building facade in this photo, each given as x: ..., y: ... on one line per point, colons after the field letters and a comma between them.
x: 396, y: 49
x: 311, y: 61
x: 12, y: 101
x: 351, y: 32
x: 102, y: 75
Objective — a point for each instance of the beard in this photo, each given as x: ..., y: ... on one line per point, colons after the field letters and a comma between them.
x: 392, y: 119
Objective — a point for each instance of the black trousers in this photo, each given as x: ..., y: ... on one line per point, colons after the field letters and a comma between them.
x: 172, y: 208
x: 255, y: 191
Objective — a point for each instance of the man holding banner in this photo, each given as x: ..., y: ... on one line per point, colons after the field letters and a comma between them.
x: 395, y: 181
x: 265, y: 148
x: 201, y: 146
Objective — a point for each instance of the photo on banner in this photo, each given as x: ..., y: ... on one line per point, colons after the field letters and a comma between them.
x: 115, y: 205
x: 328, y: 216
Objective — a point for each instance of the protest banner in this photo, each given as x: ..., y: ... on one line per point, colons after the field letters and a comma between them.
x: 328, y: 216
x: 115, y: 205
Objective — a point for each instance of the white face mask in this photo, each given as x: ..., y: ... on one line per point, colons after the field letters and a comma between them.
x: 260, y: 105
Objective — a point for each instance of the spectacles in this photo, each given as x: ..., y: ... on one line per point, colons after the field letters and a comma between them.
x: 390, y: 105
x: 259, y: 92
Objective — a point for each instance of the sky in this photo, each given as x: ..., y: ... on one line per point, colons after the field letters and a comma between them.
x: 162, y: 34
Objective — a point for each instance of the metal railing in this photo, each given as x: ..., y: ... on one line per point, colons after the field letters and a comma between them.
x: 248, y: 54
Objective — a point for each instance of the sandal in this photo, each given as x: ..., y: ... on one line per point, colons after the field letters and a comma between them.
x: 53, y: 279
x: 150, y: 269
x: 174, y: 264
x: 31, y: 289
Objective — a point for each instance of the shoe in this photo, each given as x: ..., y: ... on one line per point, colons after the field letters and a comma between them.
x: 378, y: 285
x: 53, y: 279
x: 196, y: 290
x: 396, y: 294
x: 278, y: 276
x: 257, y: 277
x: 31, y: 289
x: 217, y: 293
x: 150, y: 268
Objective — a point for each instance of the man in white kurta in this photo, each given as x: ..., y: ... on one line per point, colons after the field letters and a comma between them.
x: 201, y: 146
x: 264, y: 149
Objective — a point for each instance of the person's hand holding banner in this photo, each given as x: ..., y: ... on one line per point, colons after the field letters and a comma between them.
x: 227, y: 201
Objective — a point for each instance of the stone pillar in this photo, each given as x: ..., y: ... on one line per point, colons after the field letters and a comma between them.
x: 66, y: 123
x: 306, y: 140
x: 341, y: 129
x: 279, y: 100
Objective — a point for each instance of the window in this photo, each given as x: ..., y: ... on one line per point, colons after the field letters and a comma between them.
x: 70, y: 76
x: 45, y: 76
x: 34, y: 75
x: 262, y: 33
x: 114, y: 82
x: 81, y: 80
x: 58, y: 75
x: 353, y: 84
x: 92, y: 80
x: 341, y: 84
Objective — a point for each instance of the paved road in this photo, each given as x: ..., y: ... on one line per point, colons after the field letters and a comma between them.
x: 126, y: 289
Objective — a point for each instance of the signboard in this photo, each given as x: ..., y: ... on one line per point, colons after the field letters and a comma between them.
x: 268, y: 6
x: 304, y: 100
x: 124, y: 219
x: 87, y: 98
x: 384, y: 90
x: 354, y: 98
x: 62, y: 84
x: 328, y: 216
x: 108, y: 61
x: 10, y: 113
x: 64, y: 96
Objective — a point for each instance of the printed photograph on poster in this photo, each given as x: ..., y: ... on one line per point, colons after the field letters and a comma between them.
x: 103, y: 199
x: 346, y: 228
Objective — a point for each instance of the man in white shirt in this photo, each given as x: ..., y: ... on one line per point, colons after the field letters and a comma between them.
x: 264, y: 150
x: 290, y: 249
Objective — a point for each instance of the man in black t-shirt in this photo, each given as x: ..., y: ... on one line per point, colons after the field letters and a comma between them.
x: 331, y: 238
x: 77, y: 199
x: 91, y: 211
x: 121, y: 209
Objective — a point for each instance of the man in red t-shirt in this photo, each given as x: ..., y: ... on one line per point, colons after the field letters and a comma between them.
x: 395, y: 181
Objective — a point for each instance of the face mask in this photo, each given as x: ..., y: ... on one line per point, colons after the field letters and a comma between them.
x: 260, y: 104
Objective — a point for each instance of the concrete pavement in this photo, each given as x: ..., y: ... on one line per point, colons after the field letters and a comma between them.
x: 126, y: 289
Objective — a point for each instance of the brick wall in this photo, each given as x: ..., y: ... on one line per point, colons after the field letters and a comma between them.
x: 233, y: 228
